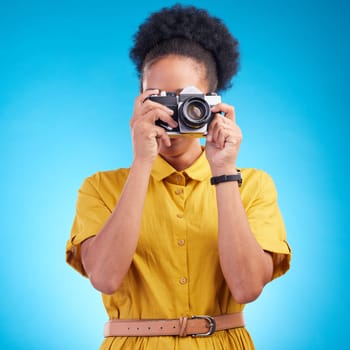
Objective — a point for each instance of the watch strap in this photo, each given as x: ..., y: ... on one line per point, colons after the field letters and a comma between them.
x: 215, y: 180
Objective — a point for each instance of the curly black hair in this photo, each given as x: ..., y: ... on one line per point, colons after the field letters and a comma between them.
x: 190, y: 32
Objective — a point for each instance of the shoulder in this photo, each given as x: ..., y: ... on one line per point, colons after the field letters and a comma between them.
x: 255, y: 176
x: 257, y: 183
x: 109, y: 180
x: 109, y: 175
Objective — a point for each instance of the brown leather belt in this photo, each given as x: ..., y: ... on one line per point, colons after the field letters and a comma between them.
x: 195, y: 326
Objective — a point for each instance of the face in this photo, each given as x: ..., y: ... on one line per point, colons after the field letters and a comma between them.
x: 173, y: 73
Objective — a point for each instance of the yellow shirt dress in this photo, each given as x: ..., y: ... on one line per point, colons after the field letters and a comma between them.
x: 175, y: 271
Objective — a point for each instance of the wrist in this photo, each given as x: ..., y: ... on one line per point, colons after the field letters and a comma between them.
x: 224, y: 171
x: 225, y: 178
x: 142, y: 165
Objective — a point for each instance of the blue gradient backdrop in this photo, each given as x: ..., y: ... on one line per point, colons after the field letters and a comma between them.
x: 66, y: 95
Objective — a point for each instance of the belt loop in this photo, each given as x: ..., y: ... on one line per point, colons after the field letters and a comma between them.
x: 183, y: 326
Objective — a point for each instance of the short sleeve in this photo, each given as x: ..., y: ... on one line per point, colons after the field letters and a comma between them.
x: 91, y: 214
x: 267, y: 224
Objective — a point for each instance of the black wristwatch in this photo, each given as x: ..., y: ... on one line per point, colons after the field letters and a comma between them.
x: 225, y: 178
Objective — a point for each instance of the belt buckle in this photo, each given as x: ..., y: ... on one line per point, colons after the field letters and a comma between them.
x: 211, y: 322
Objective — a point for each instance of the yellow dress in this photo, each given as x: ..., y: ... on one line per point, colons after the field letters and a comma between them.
x: 175, y: 270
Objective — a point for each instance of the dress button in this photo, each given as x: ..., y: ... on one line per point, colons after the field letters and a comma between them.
x: 183, y: 280
x: 180, y: 216
x: 179, y: 191
x: 181, y: 242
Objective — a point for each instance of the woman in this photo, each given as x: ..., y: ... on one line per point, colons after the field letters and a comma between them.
x: 181, y: 240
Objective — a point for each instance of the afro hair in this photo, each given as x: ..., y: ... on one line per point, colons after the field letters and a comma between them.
x: 195, y: 26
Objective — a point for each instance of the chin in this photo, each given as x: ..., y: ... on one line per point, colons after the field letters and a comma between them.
x: 179, y: 145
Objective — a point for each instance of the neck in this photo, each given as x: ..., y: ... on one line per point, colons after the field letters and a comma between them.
x: 183, y: 160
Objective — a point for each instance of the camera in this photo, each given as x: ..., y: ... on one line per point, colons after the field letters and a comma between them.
x: 192, y: 111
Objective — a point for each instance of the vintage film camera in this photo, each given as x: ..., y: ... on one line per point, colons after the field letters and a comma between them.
x: 192, y: 111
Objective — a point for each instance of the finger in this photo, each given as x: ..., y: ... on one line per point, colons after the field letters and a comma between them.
x: 212, y: 126
x: 223, y: 130
x: 227, y: 110
x: 154, y: 111
x: 221, y: 136
x: 162, y: 136
x: 235, y: 137
x: 139, y: 109
x: 148, y: 105
x: 159, y: 114
x: 215, y: 127
x: 144, y: 96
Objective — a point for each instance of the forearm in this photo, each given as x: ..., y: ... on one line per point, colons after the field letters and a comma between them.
x: 245, y: 265
x: 107, y: 256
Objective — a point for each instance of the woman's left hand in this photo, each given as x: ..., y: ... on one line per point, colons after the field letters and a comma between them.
x: 223, y: 140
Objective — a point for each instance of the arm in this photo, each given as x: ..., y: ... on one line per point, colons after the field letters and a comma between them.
x: 245, y: 265
x: 107, y: 256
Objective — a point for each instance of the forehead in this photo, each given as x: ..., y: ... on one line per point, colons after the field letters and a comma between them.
x: 172, y: 73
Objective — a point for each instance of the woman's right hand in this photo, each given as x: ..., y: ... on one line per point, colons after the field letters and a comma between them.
x: 146, y: 135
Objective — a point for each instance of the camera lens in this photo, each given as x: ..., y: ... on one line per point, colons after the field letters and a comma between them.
x: 194, y: 112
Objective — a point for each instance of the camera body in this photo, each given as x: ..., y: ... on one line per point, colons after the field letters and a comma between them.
x: 192, y: 111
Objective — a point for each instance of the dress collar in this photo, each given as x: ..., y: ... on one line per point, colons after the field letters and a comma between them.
x: 199, y: 170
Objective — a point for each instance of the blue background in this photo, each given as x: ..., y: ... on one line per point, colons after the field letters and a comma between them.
x: 66, y: 95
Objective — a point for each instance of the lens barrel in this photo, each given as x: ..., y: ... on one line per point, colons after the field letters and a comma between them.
x: 194, y: 112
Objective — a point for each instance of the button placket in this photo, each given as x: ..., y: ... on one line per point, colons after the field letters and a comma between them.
x: 183, y: 280
x: 177, y: 186
x: 179, y: 199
